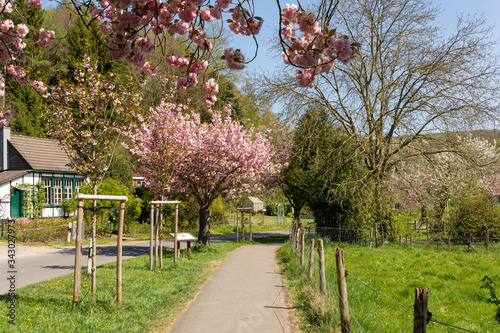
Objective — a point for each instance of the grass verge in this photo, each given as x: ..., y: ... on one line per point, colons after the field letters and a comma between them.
x: 453, y: 279
x: 151, y: 299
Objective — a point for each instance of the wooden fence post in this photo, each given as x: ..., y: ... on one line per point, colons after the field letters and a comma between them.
x: 376, y: 235
x: 302, y: 241
x: 400, y: 240
x: 311, y: 259
x: 322, y: 275
x: 78, y: 253
x: 382, y: 227
x: 411, y: 236
x: 487, y: 236
x: 420, y: 310
x: 449, y: 241
x: 470, y: 241
x: 342, y: 286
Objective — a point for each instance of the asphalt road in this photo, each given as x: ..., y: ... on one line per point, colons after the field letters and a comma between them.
x: 36, y: 264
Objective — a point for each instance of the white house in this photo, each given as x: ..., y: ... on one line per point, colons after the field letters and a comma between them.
x: 29, y: 161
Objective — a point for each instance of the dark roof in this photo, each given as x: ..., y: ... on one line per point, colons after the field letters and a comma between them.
x: 40, y: 154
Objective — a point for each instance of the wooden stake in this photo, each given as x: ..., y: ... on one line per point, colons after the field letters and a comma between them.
x: 161, y: 237
x: 342, y: 286
x: 151, y: 222
x: 237, y: 227
x: 242, y: 227
x: 420, y: 310
x: 311, y: 259
x: 121, y: 215
x: 78, y: 253
x: 250, y: 219
x: 487, y: 236
x: 156, y: 235
x: 176, y: 227
x: 322, y: 275
x: 376, y: 235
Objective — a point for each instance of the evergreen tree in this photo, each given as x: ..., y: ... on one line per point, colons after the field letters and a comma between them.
x: 324, y: 172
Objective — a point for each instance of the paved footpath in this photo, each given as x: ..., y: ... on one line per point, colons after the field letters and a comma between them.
x: 244, y: 294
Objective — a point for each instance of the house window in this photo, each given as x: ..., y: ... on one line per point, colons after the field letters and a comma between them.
x: 78, y: 184
x: 68, y: 189
x: 58, y: 192
x: 47, y: 184
x: 57, y: 189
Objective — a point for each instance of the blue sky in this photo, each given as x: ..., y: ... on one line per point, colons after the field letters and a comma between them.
x: 268, y: 10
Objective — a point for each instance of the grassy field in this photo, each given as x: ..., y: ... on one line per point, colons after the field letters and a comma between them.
x: 381, y: 278
x: 151, y: 299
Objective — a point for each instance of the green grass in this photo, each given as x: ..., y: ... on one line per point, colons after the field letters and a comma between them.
x: 151, y: 299
x: 453, y: 279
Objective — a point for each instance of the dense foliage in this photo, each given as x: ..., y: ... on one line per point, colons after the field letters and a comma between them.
x: 476, y: 214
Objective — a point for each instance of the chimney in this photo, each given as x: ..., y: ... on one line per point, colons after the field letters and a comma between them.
x: 4, y: 148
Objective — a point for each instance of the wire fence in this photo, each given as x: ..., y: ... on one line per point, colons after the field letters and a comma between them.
x: 372, y: 308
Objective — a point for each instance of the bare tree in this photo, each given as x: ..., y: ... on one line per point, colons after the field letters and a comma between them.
x: 409, y: 80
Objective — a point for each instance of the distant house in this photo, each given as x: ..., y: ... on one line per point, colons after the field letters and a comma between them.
x: 29, y: 161
x: 138, y: 180
x: 256, y: 204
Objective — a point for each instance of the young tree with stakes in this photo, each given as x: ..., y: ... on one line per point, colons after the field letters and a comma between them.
x: 87, y: 118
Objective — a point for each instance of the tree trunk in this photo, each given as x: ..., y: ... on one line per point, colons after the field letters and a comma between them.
x: 204, y: 225
x: 296, y: 216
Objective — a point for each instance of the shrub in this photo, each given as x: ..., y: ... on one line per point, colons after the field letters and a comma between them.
x: 42, y: 230
x: 476, y: 214
x: 218, y: 213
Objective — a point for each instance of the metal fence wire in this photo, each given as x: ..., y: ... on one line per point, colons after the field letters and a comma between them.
x: 344, y: 235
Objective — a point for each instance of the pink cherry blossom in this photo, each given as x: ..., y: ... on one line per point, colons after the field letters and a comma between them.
x: 22, y: 30
x: 39, y: 86
x: 181, y: 154
x: 35, y: 3
x: 45, y: 38
x: 235, y: 59
x: 210, y: 100
x: 211, y: 86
